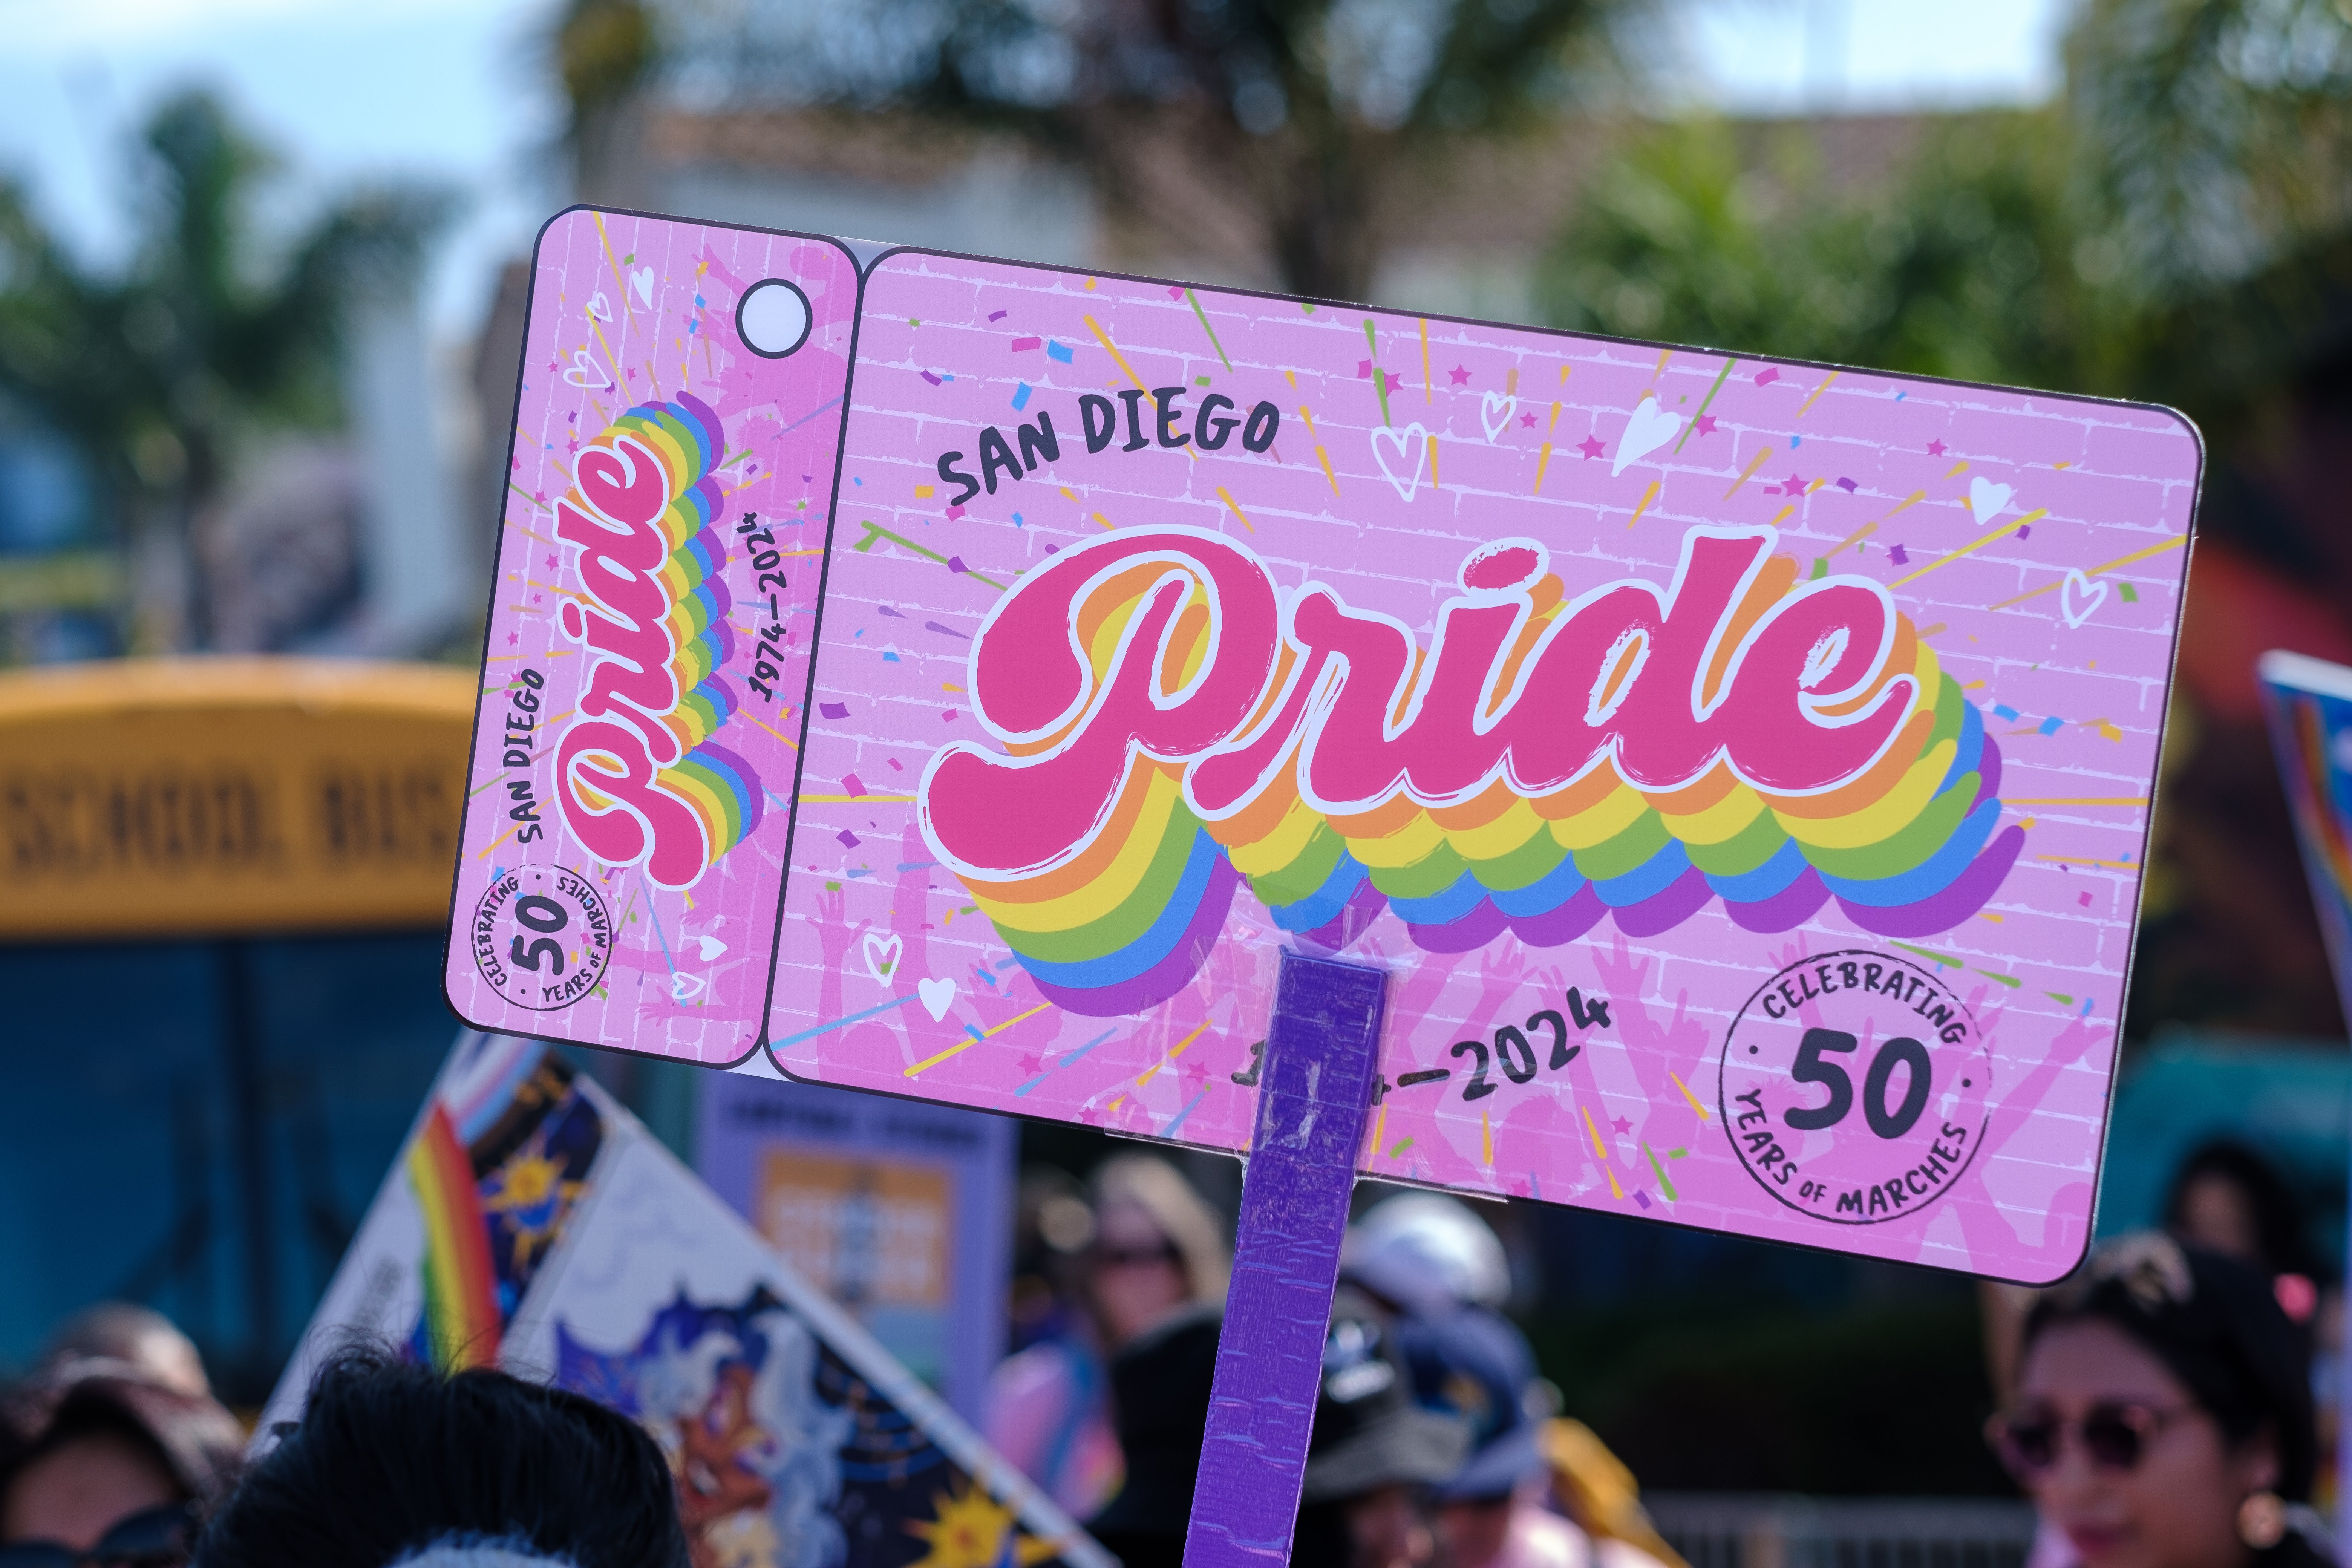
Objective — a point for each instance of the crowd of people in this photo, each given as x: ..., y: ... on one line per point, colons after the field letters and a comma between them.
x: 114, y: 1453
x: 2157, y: 1406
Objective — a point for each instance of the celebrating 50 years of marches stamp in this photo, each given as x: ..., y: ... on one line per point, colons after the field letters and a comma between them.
x: 542, y: 936
x: 1855, y: 1084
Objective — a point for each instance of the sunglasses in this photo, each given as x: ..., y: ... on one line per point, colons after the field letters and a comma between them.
x: 152, y: 1538
x: 2115, y: 1436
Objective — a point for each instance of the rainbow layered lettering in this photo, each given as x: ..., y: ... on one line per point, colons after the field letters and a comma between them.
x: 1171, y: 724
x: 639, y: 778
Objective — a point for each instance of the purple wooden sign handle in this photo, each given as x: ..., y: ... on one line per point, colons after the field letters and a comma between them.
x: 1321, y: 1052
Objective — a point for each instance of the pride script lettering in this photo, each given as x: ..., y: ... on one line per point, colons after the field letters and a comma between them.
x: 1173, y: 723
x: 637, y: 778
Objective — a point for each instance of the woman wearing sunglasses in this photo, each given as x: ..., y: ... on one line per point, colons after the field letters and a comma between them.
x: 103, y: 1462
x: 2163, y: 1417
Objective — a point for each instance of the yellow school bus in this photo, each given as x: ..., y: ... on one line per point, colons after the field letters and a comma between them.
x: 224, y: 885
x: 218, y: 795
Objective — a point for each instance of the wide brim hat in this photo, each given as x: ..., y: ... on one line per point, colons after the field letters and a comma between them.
x: 199, y: 1442
x: 1410, y: 1447
x: 1474, y: 1363
x: 1368, y: 1432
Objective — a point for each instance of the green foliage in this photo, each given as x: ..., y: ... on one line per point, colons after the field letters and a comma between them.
x: 155, y: 374
x: 603, y: 50
x: 1674, y: 240
x: 2215, y: 133
x: 1973, y: 265
x: 2178, y: 225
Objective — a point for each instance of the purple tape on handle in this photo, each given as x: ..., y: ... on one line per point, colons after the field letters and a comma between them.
x: 1321, y: 1052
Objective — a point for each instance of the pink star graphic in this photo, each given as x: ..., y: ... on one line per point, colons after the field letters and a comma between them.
x: 539, y: 495
x: 1529, y: 420
x: 1706, y: 424
x: 1793, y: 485
x: 1935, y: 448
x: 1032, y: 1063
x: 572, y: 445
x: 512, y: 639
x: 1459, y: 374
x: 1591, y: 446
x: 1619, y: 1124
x: 553, y: 562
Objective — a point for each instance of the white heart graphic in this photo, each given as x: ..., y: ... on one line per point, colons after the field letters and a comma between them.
x: 2094, y: 594
x: 1411, y: 437
x: 1650, y: 428
x: 1989, y: 500
x: 882, y: 955
x: 938, y: 995
x: 641, y: 284
x: 711, y: 948
x: 582, y: 369
x: 600, y: 306
x: 1495, y: 412
x: 685, y: 987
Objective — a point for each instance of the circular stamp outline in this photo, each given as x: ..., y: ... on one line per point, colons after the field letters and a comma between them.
x: 808, y: 317
x: 482, y: 916
x: 1723, y: 1068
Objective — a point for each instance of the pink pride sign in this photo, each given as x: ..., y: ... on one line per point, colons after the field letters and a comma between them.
x: 1742, y: 768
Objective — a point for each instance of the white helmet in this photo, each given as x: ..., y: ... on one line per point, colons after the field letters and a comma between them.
x: 1426, y: 1254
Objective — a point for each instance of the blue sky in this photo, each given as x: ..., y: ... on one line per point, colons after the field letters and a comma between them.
x: 452, y: 91
x: 1871, y: 53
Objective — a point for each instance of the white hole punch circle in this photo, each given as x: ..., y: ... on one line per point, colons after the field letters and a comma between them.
x: 772, y: 318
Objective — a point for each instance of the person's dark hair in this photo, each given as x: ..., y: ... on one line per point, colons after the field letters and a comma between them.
x: 392, y: 1458
x: 2215, y: 1324
x: 1320, y: 1537
x: 2278, y: 1213
x: 1159, y: 1387
x: 195, y: 1440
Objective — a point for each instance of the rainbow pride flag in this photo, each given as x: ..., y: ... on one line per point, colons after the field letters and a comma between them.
x: 461, y: 1303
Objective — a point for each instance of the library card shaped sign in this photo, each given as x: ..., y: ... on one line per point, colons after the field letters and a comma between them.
x: 962, y: 679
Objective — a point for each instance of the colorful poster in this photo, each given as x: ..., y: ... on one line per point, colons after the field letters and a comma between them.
x: 2310, y: 703
x: 1741, y: 767
x: 900, y: 1211
x: 531, y: 1224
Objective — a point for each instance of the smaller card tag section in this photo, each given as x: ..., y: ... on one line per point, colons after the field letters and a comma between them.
x: 635, y: 750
